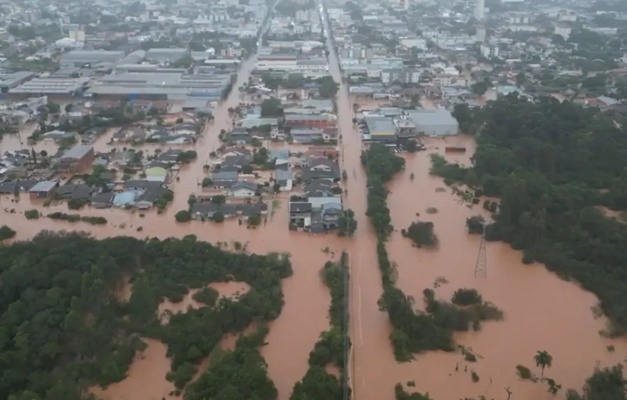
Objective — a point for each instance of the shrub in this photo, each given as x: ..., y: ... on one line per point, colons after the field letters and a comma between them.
x: 523, y: 372
x: 527, y: 257
x: 207, y: 295
x: 6, y: 233
x: 470, y: 357
x: 254, y: 220
x: 475, y: 225
x: 466, y: 297
x: 64, y: 217
x: 206, y: 182
x: 183, y: 216
x: 31, y: 214
x: 168, y: 195
x: 75, y: 204
x: 421, y: 233
x: 474, y: 376
x: 218, y: 216
x: 94, y: 220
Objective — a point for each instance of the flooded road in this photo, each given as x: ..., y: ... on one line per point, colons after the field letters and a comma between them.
x: 304, y: 316
x: 542, y: 312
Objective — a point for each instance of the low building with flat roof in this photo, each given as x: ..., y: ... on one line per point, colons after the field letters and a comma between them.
x: 438, y: 122
x: 166, y: 55
x: 78, y: 58
x: 49, y: 86
x: 174, y: 86
x: 15, y: 79
x: 381, y: 129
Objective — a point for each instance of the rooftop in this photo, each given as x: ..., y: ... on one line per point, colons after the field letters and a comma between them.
x: 381, y: 126
x: 77, y: 152
x: 43, y: 186
x: 50, y: 86
x: 440, y: 116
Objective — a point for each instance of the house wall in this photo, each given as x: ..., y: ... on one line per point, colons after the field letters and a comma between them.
x: 439, y: 130
x: 312, y: 123
x: 39, y: 195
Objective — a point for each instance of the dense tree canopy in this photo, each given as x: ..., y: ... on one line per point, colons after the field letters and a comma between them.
x: 553, y: 164
x: 347, y: 224
x: 328, y: 87
x: 271, y: 108
x: 604, y: 384
x: 64, y: 327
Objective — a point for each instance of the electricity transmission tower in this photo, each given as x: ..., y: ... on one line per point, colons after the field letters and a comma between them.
x: 481, y: 267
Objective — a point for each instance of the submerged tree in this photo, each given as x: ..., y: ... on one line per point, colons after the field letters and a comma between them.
x: 347, y: 223
x: 543, y: 360
x: 421, y: 233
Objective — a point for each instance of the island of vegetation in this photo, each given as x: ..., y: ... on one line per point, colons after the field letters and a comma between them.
x: 333, y: 345
x: 554, y: 165
x: 421, y: 233
x: 6, y: 233
x: 64, y: 326
x: 413, y: 332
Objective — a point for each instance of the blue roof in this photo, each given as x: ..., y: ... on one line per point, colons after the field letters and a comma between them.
x: 280, y: 154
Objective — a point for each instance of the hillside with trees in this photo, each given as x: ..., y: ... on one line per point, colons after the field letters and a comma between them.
x: 64, y: 326
x: 553, y: 164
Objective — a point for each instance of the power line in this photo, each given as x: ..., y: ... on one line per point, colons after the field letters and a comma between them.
x: 481, y: 265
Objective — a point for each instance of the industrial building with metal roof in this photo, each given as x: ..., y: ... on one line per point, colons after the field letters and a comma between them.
x: 48, y: 86
x: 439, y: 122
x: 161, y: 85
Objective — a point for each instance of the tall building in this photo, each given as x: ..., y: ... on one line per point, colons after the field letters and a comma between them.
x: 480, y: 34
x: 480, y: 10
x: 404, y: 4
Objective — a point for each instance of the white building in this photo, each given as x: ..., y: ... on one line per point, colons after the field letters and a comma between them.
x: 489, y: 51
x: 563, y: 31
x: 438, y: 122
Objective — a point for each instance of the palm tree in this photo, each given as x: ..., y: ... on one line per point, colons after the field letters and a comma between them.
x: 543, y: 360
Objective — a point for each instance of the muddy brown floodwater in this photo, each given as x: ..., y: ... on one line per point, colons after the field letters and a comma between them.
x: 541, y: 311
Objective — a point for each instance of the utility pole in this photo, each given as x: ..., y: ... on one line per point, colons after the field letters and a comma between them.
x: 481, y: 267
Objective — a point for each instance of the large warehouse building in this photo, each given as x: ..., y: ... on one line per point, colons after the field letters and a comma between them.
x: 438, y: 122
x: 49, y: 86
x: 171, y: 86
x: 79, y: 58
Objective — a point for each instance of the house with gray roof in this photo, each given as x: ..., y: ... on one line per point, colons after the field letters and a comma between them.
x: 243, y: 189
x: 284, y: 177
x: 43, y: 189
x: 224, y: 179
x: 206, y: 210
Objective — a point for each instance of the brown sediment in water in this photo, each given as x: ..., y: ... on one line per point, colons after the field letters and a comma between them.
x: 542, y: 312
x: 232, y: 290
x: 146, y: 377
x: 536, y: 317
